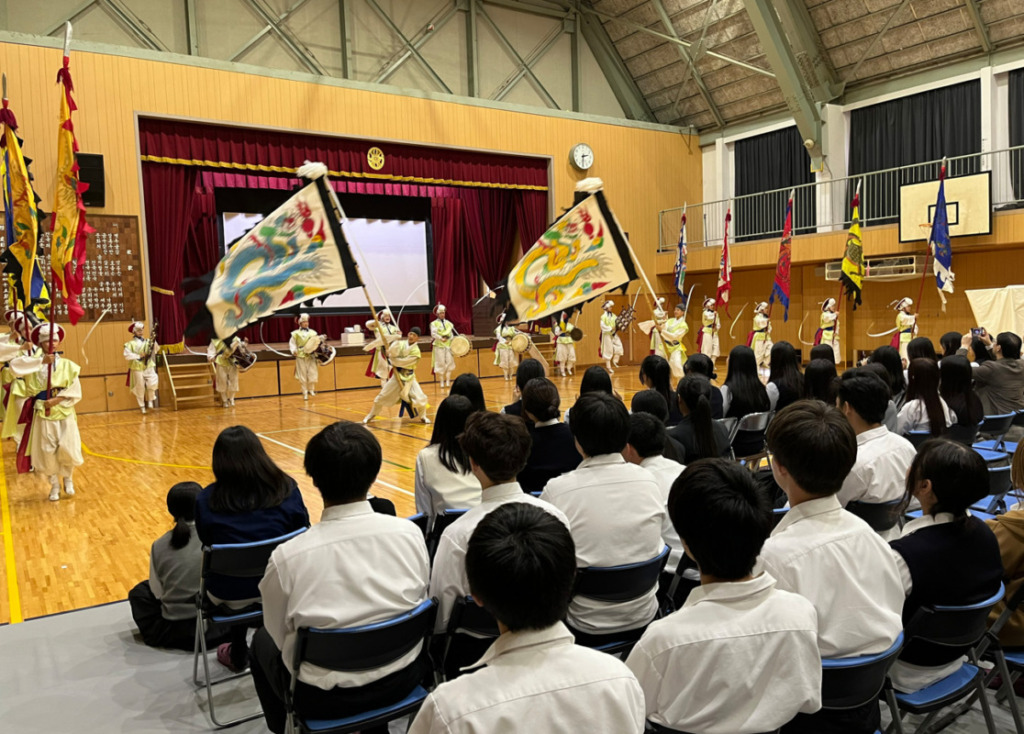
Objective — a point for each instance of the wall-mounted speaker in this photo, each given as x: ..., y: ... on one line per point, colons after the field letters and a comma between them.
x: 90, y: 171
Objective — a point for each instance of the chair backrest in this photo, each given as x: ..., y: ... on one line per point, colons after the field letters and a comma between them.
x: 469, y: 617
x: 754, y: 422
x: 421, y: 521
x: 917, y: 437
x: 999, y: 485
x: 443, y: 521
x: 368, y: 646
x: 848, y: 683
x: 777, y: 514
x: 996, y: 426
x: 620, y: 583
x: 957, y: 628
x: 1018, y: 419
x: 239, y: 561
x: 963, y: 434
x: 880, y: 516
x: 748, y: 439
x: 730, y: 425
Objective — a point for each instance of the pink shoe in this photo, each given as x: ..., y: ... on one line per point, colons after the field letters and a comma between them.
x: 224, y: 658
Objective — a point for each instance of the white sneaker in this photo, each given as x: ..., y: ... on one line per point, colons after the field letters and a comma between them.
x: 54, y: 490
x: 366, y: 420
x: 143, y: 409
x: 313, y: 393
x: 425, y: 420
x: 305, y: 396
x: 150, y: 403
x: 69, y: 488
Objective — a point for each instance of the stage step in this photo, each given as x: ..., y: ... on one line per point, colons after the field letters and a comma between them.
x: 188, y: 379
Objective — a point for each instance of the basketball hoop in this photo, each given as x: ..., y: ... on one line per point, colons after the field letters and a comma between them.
x: 927, y: 229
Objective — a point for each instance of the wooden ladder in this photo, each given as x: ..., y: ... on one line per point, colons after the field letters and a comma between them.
x: 191, y: 384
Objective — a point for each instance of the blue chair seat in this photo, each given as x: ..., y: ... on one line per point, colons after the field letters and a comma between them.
x: 914, y: 514
x: 1005, y: 447
x: 1015, y: 657
x: 236, y: 618
x: 982, y: 514
x: 941, y: 692
x: 366, y: 719
x: 991, y: 456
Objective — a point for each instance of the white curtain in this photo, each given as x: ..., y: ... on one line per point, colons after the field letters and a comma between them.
x: 998, y: 309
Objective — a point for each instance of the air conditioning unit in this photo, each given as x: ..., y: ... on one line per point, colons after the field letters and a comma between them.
x: 906, y: 267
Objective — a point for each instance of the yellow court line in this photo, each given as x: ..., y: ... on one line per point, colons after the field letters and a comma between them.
x: 13, y: 597
x: 89, y: 452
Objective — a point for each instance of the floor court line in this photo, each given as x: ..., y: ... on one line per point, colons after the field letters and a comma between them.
x: 371, y: 425
x: 89, y: 452
x: 303, y: 453
x: 13, y: 597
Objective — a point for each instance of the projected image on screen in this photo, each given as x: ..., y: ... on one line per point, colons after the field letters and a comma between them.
x: 395, y: 251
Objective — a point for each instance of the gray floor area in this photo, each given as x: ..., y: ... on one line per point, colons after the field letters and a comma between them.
x: 85, y: 672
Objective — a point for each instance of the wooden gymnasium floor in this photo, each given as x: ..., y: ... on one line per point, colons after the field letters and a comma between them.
x: 92, y: 548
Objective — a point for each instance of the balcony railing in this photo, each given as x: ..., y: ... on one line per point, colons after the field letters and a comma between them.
x: 824, y: 206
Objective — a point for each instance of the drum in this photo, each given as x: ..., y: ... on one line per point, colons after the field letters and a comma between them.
x: 324, y: 353
x: 520, y: 343
x: 460, y: 346
x: 576, y: 334
x: 243, y: 358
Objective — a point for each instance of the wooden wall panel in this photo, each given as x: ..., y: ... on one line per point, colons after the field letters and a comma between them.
x: 94, y: 395
x: 259, y: 381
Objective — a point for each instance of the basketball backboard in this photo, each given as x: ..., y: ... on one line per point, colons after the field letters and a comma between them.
x: 968, y: 205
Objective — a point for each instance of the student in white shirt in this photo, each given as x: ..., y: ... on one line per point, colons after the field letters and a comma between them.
x: 880, y: 470
x: 644, y: 447
x: 615, y: 510
x: 924, y: 409
x: 828, y: 555
x: 354, y: 567
x: 520, y: 562
x: 740, y: 656
x: 497, y: 446
x: 443, y: 479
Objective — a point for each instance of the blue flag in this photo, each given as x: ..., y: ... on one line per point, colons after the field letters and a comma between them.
x: 680, y: 269
x: 942, y: 251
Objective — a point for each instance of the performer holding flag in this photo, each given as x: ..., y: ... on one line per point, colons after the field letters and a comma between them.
x: 780, y: 287
x: 680, y: 268
x: 941, y: 248
x: 852, y: 275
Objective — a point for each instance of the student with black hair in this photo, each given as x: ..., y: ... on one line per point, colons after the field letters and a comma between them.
x: 701, y: 364
x: 883, y: 457
x: 956, y: 386
x: 741, y: 655
x: 526, y: 371
x: 921, y: 347
x: 889, y: 357
x: 945, y: 557
x: 743, y: 392
x: 615, y: 512
x: 700, y: 436
x: 651, y: 402
x: 785, y: 381
x: 1000, y: 381
x: 655, y: 374
x: 646, y: 447
x: 820, y: 380
x: 497, y: 446
x: 520, y: 565
x: 891, y: 413
x: 468, y: 385
x: 164, y: 606
x: 828, y: 555
x: 596, y: 380
x: 924, y: 409
x: 352, y: 568
x: 822, y: 351
x: 950, y: 342
x: 552, y: 449
x: 443, y: 480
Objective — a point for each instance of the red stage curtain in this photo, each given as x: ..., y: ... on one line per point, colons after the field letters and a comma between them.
x: 490, y: 231
x: 261, y: 151
x: 531, y: 216
x: 168, y: 192
x: 453, y: 271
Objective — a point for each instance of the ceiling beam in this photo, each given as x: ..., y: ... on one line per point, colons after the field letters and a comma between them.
x: 874, y: 41
x: 705, y: 93
x: 787, y: 72
x: 302, y: 54
x: 134, y: 25
x: 623, y: 86
x: 507, y: 45
x: 803, y: 36
x: 265, y: 30
x: 409, y: 45
x: 979, y: 25
x: 425, y: 34
x: 546, y: 44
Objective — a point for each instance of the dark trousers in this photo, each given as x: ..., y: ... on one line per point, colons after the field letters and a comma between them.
x: 159, y: 632
x: 865, y: 719
x: 272, y: 679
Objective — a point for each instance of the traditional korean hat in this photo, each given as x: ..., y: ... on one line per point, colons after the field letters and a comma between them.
x: 762, y: 307
x: 41, y: 334
x: 709, y: 301
x: 827, y: 302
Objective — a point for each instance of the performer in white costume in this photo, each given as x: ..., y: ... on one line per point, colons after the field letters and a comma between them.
x: 224, y: 369
x: 303, y: 344
x: 379, y: 366
x: 141, y: 356
x: 504, y: 356
x: 402, y: 386
x: 672, y: 335
x: 760, y: 339
x: 827, y: 331
x: 442, y: 331
x: 707, y: 338
x: 565, y: 347
x: 55, y: 445
x: 660, y: 317
x: 611, y: 344
x: 906, y: 327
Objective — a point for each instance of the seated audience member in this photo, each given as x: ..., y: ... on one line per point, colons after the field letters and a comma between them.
x: 552, y: 447
x: 921, y: 347
x: 956, y: 386
x: 785, y: 382
x: 891, y: 414
x: 826, y: 554
x: 700, y: 436
x: 354, y: 567
x: 924, y: 409
x: 1000, y: 381
x: 164, y: 607
x: 443, y: 480
x: 889, y: 357
x: 822, y: 351
x: 520, y: 564
x: 526, y: 371
x: 820, y: 380
x: 497, y: 446
x: 650, y: 401
x: 250, y: 500
x: 1009, y: 532
x: 740, y: 656
x: 595, y: 379
x: 655, y: 374
x: 615, y: 512
x: 946, y: 556
x: 882, y: 458
x: 645, y: 447
x: 743, y: 392
x: 701, y: 364
x: 950, y: 342
x: 468, y: 385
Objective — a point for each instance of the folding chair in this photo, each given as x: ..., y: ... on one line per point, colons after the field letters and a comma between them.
x: 917, y: 437
x: 994, y: 428
x: 358, y: 649
x: 963, y: 434
x: 471, y: 630
x: 244, y: 561
x: 999, y: 485
x: 960, y: 629
x: 1009, y: 664
x: 881, y: 516
x: 849, y: 683
x: 422, y: 522
x: 441, y: 523
x: 619, y: 584
x: 747, y: 441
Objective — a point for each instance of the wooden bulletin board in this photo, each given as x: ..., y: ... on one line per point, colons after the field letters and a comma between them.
x: 113, y: 270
